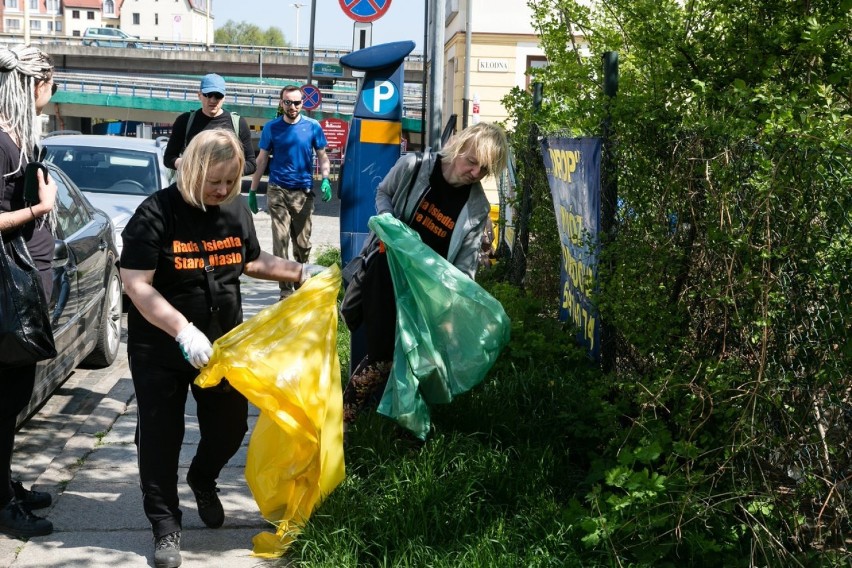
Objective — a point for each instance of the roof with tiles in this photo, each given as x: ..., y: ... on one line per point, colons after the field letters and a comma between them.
x: 94, y: 4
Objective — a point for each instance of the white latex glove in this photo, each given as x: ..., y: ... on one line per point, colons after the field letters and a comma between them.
x: 194, y: 345
x: 310, y: 270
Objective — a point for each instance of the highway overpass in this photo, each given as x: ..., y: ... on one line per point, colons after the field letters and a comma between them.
x: 156, y: 82
x: 189, y: 58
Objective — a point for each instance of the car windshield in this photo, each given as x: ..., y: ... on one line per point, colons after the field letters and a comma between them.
x: 107, y: 170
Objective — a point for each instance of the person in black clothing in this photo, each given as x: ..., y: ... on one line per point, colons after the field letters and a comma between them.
x: 26, y: 85
x: 211, y: 115
x: 442, y: 200
x: 184, y: 251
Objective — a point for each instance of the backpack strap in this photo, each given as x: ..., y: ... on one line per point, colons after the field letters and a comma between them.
x: 188, y: 126
x: 418, y: 161
x: 235, y: 123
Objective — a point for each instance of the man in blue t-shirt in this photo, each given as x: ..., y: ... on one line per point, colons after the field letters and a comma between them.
x: 291, y: 139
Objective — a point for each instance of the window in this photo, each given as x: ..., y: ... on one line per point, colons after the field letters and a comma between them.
x: 71, y: 213
x: 156, y: 19
x: 52, y: 6
x: 136, y: 19
x: 451, y: 10
x: 75, y: 14
x: 102, y: 170
x: 49, y: 26
x: 33, y: 5
x: 13, y: 24
x: 75, y: 33
x: 90, y: 15
x: 109, y: 7
x: 11, y: 4
x: 35, y: 25
x: 535, y: 62
x: 59, y: 26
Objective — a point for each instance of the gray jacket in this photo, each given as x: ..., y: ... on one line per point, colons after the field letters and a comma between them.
x: 393, y: 196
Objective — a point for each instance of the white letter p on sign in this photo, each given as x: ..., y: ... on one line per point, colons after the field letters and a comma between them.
x: 382, y: 92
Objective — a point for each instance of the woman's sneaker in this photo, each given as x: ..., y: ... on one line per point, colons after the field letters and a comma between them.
x: 209, y: 507
x: 167, y: 551
x: 30, y: 499
x: 19, y: 522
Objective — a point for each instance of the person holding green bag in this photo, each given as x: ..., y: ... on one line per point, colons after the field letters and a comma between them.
x: 444, y: 203
x: 291, y: 140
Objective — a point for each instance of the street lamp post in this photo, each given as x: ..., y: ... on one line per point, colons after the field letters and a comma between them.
x: 207, y: 36
x: 298, y: 7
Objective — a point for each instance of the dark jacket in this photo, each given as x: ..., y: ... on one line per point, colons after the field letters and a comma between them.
x: 180, y: 137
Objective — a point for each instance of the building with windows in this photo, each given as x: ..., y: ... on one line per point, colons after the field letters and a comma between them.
x: 504, y: 46
x: 153, y: 20
x: 43, y: 17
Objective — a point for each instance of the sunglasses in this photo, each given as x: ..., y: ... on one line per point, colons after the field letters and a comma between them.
x: 214, y: 96
x: 53, y: 88
x: 287, y: 103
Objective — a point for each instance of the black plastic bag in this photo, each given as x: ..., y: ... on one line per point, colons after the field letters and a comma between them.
x: 25, y: 333
x: 351, y: 307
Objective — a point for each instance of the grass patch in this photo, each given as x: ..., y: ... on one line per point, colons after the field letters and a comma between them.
x: 494, y: 484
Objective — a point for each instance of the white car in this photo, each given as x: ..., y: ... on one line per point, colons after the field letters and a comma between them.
x: 109, y: 37
x: 116, y: 173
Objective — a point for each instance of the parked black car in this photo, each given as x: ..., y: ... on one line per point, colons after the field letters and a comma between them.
x: 86, y: 304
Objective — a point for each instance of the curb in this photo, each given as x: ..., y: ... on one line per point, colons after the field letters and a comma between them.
x: 63, y: 467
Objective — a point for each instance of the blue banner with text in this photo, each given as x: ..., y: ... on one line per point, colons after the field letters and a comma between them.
x: 573, y: 168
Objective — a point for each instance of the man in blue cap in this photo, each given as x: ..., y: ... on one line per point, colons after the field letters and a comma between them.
x: 212, y: 115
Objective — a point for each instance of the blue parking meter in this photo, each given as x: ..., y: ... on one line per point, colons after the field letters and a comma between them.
x: 373, y: 145
x: 372, y: 148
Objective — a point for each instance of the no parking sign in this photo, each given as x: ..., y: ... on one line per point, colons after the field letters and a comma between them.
x: 365, y: 10
x: 311, y: 97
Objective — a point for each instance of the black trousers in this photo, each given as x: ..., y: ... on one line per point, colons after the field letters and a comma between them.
x: 161, y: 399
x: 379, y: 309
x: 18, y: 384
x: 17, y: 389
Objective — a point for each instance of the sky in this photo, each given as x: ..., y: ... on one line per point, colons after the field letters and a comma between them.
x: 334, y: 29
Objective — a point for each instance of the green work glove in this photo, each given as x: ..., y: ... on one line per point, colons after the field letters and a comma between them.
x: 252, y: 201
x: 326, y: 190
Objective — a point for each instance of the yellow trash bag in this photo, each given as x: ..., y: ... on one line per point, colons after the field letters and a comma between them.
x: 284, y: 361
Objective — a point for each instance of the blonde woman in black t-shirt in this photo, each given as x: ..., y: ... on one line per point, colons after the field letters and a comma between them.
x: 446, y: 205
x: 184, y: 251
x: 26, y: 85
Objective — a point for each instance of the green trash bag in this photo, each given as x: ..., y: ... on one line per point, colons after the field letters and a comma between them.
x: 449, y: 330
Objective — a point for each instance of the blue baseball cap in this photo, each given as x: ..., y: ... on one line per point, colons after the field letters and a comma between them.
x: 212, y: 83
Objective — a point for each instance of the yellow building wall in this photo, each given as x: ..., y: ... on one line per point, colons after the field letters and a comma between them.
x: 490, y: 87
